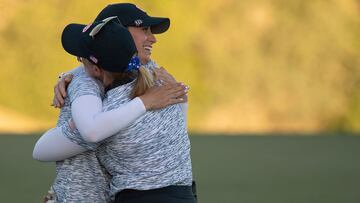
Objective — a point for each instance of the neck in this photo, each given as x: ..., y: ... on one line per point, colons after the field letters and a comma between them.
x: 145, y: 61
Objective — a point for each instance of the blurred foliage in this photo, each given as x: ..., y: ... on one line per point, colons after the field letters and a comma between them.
x: 252, y: 65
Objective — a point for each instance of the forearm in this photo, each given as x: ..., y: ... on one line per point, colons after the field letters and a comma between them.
x: 54, y: 146
x: 96, y: 126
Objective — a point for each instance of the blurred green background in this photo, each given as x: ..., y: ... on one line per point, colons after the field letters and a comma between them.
x: 253, y: 66
x: 228, y: 169
x: 284, y: 75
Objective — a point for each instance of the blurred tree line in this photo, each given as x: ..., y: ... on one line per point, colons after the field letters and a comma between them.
x: 261, y: 65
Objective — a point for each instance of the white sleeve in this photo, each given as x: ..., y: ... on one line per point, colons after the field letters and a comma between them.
x: 53, y: 146
x: 95, y: 125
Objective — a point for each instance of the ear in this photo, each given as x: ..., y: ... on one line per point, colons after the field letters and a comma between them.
x: 96, y: 70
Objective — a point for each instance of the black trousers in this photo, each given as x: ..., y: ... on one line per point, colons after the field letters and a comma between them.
x: 170, y: 194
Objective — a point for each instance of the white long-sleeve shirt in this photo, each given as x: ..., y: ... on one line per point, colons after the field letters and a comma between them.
x: 93, y: 125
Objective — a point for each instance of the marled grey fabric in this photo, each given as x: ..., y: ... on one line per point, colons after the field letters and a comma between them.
x: 152, y: 152
x: 80, y: 179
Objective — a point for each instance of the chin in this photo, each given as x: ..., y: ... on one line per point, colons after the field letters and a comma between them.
x: 145, y: 59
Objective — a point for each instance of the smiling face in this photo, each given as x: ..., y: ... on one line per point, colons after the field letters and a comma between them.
x: 144, y: 39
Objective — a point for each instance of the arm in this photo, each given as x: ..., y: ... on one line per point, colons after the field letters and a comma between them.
x: 95, y: 125
x: 53, y: 146
x: 56, y: 145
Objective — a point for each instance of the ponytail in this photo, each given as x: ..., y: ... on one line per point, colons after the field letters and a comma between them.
x: 144, y: 81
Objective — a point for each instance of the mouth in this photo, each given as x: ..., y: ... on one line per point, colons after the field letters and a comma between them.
x: 148, y: 48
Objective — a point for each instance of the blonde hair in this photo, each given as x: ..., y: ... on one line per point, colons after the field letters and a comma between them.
x: 144, y: 80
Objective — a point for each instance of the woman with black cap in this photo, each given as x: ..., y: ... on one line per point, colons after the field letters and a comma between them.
x: 103, y: 47
x: 149, y: 160
x: 142, y: 28
x: 168, y: 189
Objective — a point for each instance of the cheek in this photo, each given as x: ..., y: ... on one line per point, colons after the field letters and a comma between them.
x: 138, y: 42
x: 140, y: 38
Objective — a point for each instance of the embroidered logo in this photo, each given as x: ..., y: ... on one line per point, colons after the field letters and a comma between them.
x: 138, y: 22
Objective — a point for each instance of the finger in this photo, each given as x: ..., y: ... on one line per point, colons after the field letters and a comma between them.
x: 162, y: 69
x: 174, y: 85
x: 187, y: 87
x: 163, y: 75
x: 68, y: 78
x: 64, y: 83
x: 177, y: 94
x: 54, y: 99
x: 153, y: 88
x: 159, y: 74
x: 58, y: 98
x: 168, y: 86
x: 53, y: 104
x: 62, y: 88
x: 157, y: 70
x: 175, y: 101
x: 185, y: 97
x: 165, y: 72
x: 56, y: 104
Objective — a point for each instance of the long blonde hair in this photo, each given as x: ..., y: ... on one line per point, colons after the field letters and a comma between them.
x: 144, y: 80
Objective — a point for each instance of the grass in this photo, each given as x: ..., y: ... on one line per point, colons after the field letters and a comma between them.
x: 228, y: 169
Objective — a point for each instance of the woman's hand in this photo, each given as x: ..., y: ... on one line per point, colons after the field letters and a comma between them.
x: 158, y: 97
x: 163, y: 76
x: 60, y: 90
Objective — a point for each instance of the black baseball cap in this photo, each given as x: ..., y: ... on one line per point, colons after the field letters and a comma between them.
x: 131, y: 15
x: 105, y: 43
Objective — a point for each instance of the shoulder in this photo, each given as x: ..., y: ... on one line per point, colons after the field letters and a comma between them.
x: 83, y: 84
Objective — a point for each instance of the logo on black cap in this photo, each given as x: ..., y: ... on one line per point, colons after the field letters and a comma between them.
x: 138, y: 22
